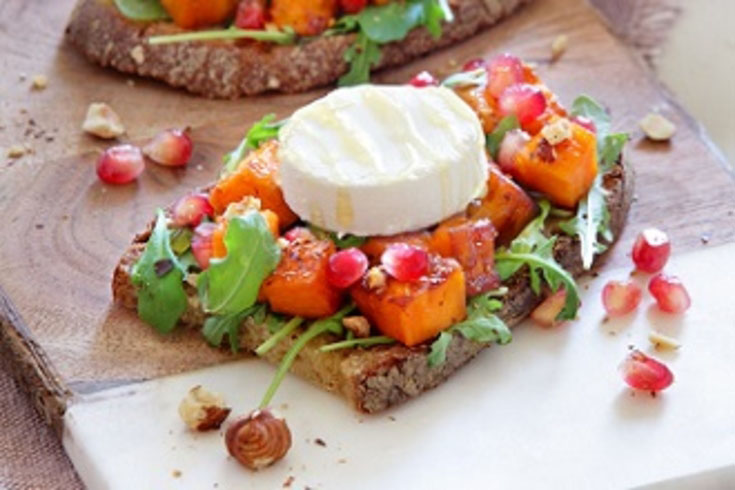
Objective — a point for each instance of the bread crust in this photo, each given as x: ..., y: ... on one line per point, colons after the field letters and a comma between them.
x: 379, y: 377
x: 228, y: 70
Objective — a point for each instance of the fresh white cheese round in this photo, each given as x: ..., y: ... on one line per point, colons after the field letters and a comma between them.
x: 379, y: 160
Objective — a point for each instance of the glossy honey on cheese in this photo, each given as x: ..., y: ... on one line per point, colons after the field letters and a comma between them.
x: 379, y: 160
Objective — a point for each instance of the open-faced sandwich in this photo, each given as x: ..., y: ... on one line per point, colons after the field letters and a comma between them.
x: 230, y: 48
x: 380, y: 237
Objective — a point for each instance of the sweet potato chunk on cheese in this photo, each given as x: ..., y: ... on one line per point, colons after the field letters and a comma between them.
x: 414, y: 312
x: 256, y: 176
x: 506, y: 205
x: 305, y: 17
x: 564, y: 172
x: 299, y: 284
x: 472, y: 244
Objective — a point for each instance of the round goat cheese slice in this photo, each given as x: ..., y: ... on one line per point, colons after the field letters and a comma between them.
x: 380, y: 160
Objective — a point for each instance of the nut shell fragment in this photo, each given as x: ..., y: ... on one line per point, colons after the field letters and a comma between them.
x: 102, y: 121
x: 259, y: 439
x: 202, y: 410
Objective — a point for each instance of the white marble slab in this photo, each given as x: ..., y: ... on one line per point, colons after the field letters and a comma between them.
x: 547, y: 411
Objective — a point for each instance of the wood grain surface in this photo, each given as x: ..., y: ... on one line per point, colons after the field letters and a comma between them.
x: 64, y: 230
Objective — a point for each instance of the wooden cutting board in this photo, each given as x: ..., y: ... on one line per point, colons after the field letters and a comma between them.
x: 64, y: 230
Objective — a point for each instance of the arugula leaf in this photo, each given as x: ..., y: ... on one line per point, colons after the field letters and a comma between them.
x: 472, y: 78
x: 216, y: 327
x: 142, y: 9
x: 342, y: 242
x: 353, y: 343
x: 361, y: 56
x: 592, y: 219
x: 230, y: 285
x: 438, y: 353
x: 260, y: 132
x: 159, y: 276
x: 285, y: 36
x: 535, y: 250
x: 495, y: 138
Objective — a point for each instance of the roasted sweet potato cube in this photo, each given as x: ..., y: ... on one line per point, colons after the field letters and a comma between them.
x: 472, y: 244
x: 299, y: 284
x: 483, y: 104
x: 305, y: 17
x: 256, y: 176
x: 190, y: 14
x: 414, y: 312
x: 375, y: 246
x: 506, y: 205
x: 564, y: 171
x: 219, y: 250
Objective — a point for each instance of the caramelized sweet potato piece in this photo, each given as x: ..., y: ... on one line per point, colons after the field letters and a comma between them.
x: 506, y: 205
x: 472, y: 244
x: 257, y: 176
x: 306, y: 17
x: 413, y: 312
x: 299, y: 284
x: 191, y: 14
x: 218, y: 237
x: 375, y: 246
x: 564, y: 172
x: 483, y: 104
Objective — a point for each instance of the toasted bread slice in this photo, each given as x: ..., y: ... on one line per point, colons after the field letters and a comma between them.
x: 222, y: 69
x: 373, y: 379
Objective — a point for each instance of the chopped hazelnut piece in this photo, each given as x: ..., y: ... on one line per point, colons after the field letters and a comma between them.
x: 557, y: 131
x: 102, y: 121
x: 39, y: 82
x: 202, y: 410
x: 657, y: 128
x: 375, y: 278
x: 663, y: 342
x: 359, y: 325
x: 16, y: 151
x: 559, y: 46
x: 239, y: 208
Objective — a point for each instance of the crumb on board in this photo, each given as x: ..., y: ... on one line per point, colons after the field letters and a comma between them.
x: 16, y: 151
x: 559, y: 46
x: 342, y: 461
x: 176, y: 473
x: 705, y: 238
x: 391, y: 418
x: 288, y: 482
x: 320, y: 442
x: 39, y: 82
x: 656, y: 127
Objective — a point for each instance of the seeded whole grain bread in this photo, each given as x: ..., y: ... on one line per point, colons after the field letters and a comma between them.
x: 375, y: 378
x: 229, y: 69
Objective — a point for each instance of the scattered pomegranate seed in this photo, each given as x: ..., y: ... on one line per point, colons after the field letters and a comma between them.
x: 201, y: 243
x: 545, y: 314
x: 474, y: 64
x: 346, y: 267
x: 585, y: 122
x: 120, y: 164
x: 503, y: 71
x: 525, y: 101
x: 191, y: 209
x: 405, y: 262
x: 171, y: 148
x: 353, y: 6
x: 513, y: 142
x: 251, y: 14
x: 423, y: 79
x: 651, y: 250
x: 642, y: 372
x: 621, y: 297
x: 670, y: 294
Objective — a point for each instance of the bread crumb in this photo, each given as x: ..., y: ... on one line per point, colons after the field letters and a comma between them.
x: 342, y: 461
x: 130, y: 82
x: 559, y: 46
x: 39, y: 82
x: 657, y: 128
x: 176, y: 473
x: 16, y: 151
x: 288, y: 482
x: 663, y: 342
x: 102, y: 121
x: 138, y: 54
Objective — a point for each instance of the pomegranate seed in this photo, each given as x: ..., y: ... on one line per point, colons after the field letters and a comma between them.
x: 503, y: 71
x: 353, y: 6
x: 525, y: 101
x: 545, y: 314
x: 670, y: 294
x: 346, y: 267
x: 201, y: 243
x: 423, y: 79
x: 251, y: 14
x: 585, y: 122
x: 651, y: 250
x: 513, y: 142
x: 621, y: 297
x: 171, y: 148
x: 474, y: 64
x: 191, y: 209
x: 642, y: 372
x: 405, y: 262
x: 120, y: 164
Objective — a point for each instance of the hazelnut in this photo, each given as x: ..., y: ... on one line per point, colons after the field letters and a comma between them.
x: 557, y: 131
x: 240, y: 208
x: 258, y: 439
x: 39, y: 82
x: 102, y: 121
x: 657, y: 128
x: 202, y: 410
x: 375, y: 278
x: 358, y: 325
